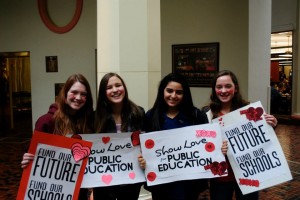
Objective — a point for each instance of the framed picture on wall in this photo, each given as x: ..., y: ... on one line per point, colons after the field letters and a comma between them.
x: 51, y: 64
x: 198, y: 63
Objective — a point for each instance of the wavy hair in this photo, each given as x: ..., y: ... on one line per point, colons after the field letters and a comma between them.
x: 66, y: 121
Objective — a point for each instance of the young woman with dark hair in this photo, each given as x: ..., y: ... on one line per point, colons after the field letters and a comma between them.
x: 173, y: 98
x: 174, y: 108
x: 71, y: 114
x: 116, y: 113
x: 115, y: 108
x: 226, y: 97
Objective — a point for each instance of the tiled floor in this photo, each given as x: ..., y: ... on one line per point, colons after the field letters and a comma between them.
x: 12, y: 148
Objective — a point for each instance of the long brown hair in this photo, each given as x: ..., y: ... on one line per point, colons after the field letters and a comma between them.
x: 131, y: 115
x: 237, y: 100
x: 65, y: 120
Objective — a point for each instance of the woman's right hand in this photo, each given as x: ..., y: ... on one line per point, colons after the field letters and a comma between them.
x: 27, y: 158
x: 224, y: 147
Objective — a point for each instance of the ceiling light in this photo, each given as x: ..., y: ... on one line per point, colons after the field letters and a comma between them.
x: 288, y: 52
x: 286, y: 55
x: 284, y: 58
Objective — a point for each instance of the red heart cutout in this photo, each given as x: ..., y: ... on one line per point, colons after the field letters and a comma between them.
x: 259, y: 112
x: 253, y: 113
x: 222, y: 168
x: 217, y: 168
x: 250, y: 113
x: 79, y: 152
x: 135, y: 138
x: 105, y: 140
x: 214, y: 168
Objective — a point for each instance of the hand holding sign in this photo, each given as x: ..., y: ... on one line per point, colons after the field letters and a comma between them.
x: 62, y: 179
x: 254, y: 151
x: 183, y: 154
x: 113, y: 160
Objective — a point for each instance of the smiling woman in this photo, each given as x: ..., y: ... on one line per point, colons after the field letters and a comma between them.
x: 42, y: 5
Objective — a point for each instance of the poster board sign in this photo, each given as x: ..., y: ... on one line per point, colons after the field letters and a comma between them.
x: 57, y: 168
x: 254, y: 151
x: 113, y: 160
x: 192, y: 152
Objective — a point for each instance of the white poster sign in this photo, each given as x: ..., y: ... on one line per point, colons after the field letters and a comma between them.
x: 62, y: 180
x: 192, y: 152
x: 254, y: 151
x: 113, y: 160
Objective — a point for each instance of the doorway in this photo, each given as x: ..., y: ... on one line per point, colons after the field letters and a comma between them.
x: 281, y: 73
x: 16, y: 113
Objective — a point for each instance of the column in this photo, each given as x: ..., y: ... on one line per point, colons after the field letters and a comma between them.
x: 128, y: 43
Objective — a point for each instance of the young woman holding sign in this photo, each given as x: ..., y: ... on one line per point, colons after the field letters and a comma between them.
x: 174, y: 108
x: 71, y: 114
x: 225, y: 97
x: 116, y: 113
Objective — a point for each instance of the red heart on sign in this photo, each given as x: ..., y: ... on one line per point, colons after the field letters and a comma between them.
x: 217, y: 168
x: 105, y: 140
x: 79, y: 152
x: 253, y: 113
x: 259, y: 111
x: 107, y: 179
x: 135, y: 138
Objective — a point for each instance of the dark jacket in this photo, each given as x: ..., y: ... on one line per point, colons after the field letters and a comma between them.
x: 111, y: 125
x: 198, y: 118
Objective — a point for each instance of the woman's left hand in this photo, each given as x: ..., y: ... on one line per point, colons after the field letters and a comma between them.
x: 142, y: 161
x: 27, y: 158
x: 271, y: 120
